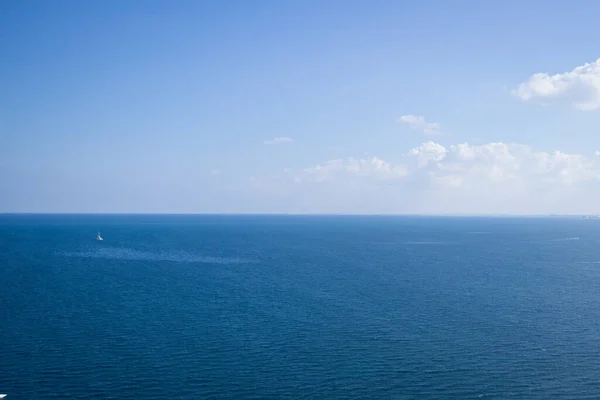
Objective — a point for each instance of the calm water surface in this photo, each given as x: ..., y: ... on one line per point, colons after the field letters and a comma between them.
x: 273, y: 307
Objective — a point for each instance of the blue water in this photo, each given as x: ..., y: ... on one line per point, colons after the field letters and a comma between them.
x: 274, y: 307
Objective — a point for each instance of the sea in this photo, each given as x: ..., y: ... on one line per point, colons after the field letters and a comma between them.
x: 299, y: 307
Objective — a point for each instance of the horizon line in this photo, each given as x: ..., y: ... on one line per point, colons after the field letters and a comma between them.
x: 305, y: 214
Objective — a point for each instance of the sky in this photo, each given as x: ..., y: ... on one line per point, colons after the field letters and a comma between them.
x: 329, y: 106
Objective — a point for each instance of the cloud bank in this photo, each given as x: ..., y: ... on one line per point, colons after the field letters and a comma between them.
x: 460, y: 178
x: 579, y: 88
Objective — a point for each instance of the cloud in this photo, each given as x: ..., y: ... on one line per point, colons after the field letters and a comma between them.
x: 502, y: 162
x: 579, y: 88
x: 215, y: 171
x: 418, y: 122
x: 371, y: 168
x: 460, y: 178
x: 428, y: 152
x: 278, y: 140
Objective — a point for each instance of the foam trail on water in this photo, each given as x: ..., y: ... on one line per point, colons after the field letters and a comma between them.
x: 425, y: 242
x: 114, y: 253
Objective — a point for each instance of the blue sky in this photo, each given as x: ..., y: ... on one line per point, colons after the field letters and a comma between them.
x: 299, y: 106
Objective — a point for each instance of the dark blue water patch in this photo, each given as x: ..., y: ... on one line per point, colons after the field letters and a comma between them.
x: 253, y: 307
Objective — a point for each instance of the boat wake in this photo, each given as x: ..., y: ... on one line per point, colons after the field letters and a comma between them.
x: 114, y: 253
x: 425, y: 242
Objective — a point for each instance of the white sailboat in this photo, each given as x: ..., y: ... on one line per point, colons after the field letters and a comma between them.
x: 97, y: 238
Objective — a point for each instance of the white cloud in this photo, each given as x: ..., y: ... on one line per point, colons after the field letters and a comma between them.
x: 460, y: 178
x: 279, y: 140
x: 502, y: 162
x: 373, y: 167
x: 428, y: 152
x: 215, y: 171
x: 419, y: 123
x: 579, y: 88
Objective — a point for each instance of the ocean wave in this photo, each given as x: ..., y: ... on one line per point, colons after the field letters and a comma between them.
x: 114, y: 253
x: 564, y: 239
